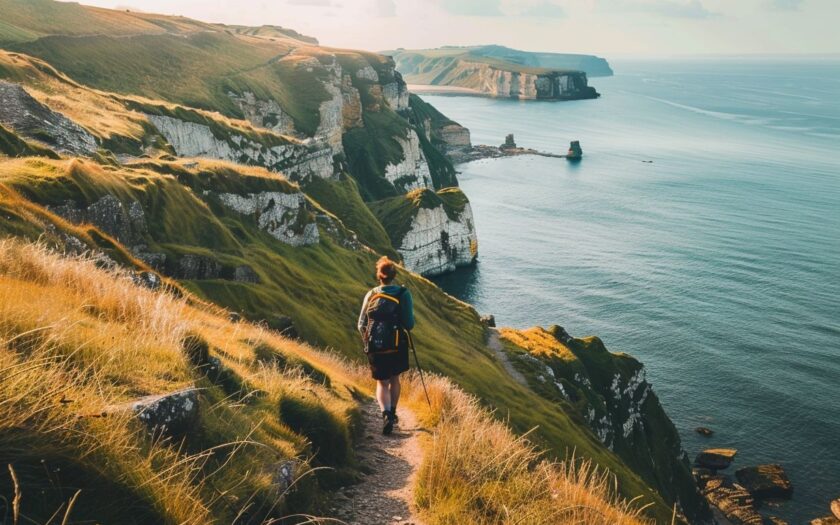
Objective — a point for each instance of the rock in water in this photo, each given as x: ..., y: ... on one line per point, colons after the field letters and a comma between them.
x: 765, y: 481
x: 703, y: 431
x: 828, y: 520
x: 716, y: 458
x: 575, y: 152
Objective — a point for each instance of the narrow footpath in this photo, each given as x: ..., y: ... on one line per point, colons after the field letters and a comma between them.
x: 386, y: 494
x: 494, y: 343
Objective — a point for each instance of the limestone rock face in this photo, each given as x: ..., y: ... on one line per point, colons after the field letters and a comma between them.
x: 437, y: 244
x: 554, y: 85
x: 396, y: 94
x: 285, y: 216
x: 455, y: 136
x: 413, y: 171
x: 22, y: 113
x: 298, y: 161
x: 264, y: 113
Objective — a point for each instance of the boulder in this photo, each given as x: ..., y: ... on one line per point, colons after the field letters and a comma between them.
x: 149, y: 280
x: 172, y: 414
x: 704, y: 431
x: 835, y: 508
x: 283, y: 324
x: 733, y: 500
x: 715, y: 458
x: 488, y: 320
x: 765, y: 481
x: 828, y: 520
x: 193, y: 267
x: 245, y: 274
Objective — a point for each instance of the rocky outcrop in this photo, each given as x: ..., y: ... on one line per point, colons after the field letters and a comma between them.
x: 715, y: 458
x: 732, y: 500
x: 412, y: 172
x: 765, y: 481
x: 297, y: 161
x: 439, y: 242
x: 264, y: 113
x: 285, y: 216
x: 612, y: 395
x: 193, y: 267
x: 20, y: 112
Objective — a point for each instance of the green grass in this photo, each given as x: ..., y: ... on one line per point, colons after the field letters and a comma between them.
x: 197, y: 70
x: 341, y: 197
x: 14, y: 146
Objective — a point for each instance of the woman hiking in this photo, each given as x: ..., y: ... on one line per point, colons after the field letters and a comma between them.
x: 385, y: 322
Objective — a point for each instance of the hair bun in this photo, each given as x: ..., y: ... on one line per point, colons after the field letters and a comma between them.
x: 386, y: 269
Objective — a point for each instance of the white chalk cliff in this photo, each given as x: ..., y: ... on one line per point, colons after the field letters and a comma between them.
x: 437, y: 244
x: 413, y: 171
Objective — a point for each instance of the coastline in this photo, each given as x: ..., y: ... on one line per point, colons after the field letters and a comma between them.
x: 430, y: 89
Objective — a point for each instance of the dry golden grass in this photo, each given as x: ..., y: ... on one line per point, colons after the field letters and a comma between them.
x: 477, y: 471
x: 76, y: 339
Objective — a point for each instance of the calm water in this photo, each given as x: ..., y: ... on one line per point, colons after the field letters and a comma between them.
x: 717, y: 265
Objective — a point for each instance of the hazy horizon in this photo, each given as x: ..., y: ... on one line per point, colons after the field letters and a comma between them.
x: 616, y: 28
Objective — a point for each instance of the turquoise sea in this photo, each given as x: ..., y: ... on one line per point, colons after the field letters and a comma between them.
x: 717, y: 263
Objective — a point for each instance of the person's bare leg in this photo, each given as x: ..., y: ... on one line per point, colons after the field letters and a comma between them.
x: 395, y: 392
x: 383, y: 394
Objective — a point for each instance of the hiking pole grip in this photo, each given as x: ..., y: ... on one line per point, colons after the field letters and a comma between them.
x: 420, y: 370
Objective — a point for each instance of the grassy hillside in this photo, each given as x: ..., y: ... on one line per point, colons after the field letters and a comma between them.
x: 175, y: 217
x: 319, y: 287
x: 275, y: 425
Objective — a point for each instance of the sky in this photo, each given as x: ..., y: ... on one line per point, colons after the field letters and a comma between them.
x: 613, y: 28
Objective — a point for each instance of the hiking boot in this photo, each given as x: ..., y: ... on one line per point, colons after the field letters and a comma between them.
x: 394, y: 415
x: 387, y: 422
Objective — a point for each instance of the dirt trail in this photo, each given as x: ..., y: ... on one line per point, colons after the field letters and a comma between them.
x: 494, y: 343
x: 386, y: 494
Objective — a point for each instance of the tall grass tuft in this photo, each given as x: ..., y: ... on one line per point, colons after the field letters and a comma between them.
x: 477, y: 471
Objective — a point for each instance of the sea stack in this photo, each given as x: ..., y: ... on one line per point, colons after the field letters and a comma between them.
x: 509, y: 142
x: 575, y: 153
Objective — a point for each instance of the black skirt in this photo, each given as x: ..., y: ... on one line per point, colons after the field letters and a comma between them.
x: 387, y: 365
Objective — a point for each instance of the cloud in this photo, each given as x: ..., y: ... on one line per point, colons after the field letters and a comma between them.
x: 472, y: 7
x: 386, y: 8
x: 668, y: 8
x: 313, y: 3
x: 544, y: 9
x: 784, y: 5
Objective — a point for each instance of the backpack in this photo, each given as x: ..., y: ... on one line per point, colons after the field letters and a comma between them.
x: 384, y: 323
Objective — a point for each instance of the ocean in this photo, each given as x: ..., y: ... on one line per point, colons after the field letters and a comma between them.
x: 700, y: 234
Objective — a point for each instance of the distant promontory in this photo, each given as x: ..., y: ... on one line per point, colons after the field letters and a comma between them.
x: 502, y: 72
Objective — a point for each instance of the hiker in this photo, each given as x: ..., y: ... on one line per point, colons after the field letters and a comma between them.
x: 385, y: 322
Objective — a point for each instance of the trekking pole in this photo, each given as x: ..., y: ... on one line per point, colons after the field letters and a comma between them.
x: 420, y: 370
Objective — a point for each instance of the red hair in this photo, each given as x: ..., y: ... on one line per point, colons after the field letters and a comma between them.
x: 386, y: 270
